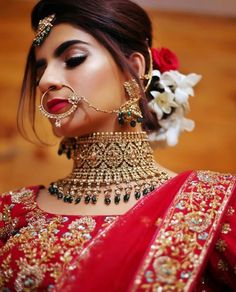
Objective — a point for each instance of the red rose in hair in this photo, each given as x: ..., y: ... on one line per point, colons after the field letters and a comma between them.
x: 164, y: 60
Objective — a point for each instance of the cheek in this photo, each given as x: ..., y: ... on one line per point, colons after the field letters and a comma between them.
x: 100, y: 82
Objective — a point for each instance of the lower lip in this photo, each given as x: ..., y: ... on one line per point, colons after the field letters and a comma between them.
x: 58, y: 107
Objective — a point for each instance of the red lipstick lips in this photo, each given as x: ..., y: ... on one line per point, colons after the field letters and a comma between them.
x: 55, y: 105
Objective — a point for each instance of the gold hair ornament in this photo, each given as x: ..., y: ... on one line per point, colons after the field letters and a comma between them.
x: 148, y: 76
x: 44, y: 28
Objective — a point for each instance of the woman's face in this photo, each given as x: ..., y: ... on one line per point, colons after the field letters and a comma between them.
x: 70, y: 56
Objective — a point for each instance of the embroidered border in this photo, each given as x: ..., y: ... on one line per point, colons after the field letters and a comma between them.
x: 182, y: 242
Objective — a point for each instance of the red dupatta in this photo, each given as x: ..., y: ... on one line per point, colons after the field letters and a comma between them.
x: 162, y: 242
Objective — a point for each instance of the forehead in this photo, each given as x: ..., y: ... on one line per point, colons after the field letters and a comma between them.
x: 61, y: 33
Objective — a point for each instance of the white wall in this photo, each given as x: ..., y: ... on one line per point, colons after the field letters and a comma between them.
x: 217, y: 7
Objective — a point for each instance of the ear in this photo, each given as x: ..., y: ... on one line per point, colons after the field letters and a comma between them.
x: 137, y: 62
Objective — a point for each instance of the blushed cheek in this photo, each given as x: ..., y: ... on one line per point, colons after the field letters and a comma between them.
x: 101, y: 84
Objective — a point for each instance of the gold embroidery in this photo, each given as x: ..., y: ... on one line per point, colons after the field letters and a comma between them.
x: 46, y: 244
x: 225, y: 228
x: 158, y: 222
x: 166, y: 269
x: 24, y: 196
x: 221, y: 245
x: 108, y: 220
x: 5, y: 271
x: 223, y: 266
x: 9, y: 223
x: 39, y: 238
x: 185, y: 234
x: 230, y: 211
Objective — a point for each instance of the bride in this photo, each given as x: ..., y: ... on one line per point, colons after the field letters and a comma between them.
x: 119, y: 221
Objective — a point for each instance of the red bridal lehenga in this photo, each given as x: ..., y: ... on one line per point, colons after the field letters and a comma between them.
x: 180, y: 237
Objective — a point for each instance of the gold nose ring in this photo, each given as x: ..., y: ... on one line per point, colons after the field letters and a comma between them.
x: 73, y: 99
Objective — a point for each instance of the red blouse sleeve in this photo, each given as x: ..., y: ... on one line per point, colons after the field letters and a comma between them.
x: 222, y: 263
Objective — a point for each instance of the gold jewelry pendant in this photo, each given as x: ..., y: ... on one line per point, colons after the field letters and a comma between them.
x: 130, y: 111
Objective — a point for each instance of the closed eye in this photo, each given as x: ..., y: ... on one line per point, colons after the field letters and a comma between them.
x: 75, y: 61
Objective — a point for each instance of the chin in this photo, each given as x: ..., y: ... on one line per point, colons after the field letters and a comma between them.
x: 66, y: 130
x: 71, y: 127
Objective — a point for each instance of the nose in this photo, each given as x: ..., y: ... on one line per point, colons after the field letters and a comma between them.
x: 51, y: 78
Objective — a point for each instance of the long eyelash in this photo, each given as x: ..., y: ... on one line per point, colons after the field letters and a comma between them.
x: 75, y: 61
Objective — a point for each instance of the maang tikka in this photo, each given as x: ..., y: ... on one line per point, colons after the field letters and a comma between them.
x: 44, y: 27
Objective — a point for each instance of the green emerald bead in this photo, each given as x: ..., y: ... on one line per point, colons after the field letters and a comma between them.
x: 133, y: 123
x: 68, y: 199
x: 126, y: 198
x: 68, y: 154
x: 145, y: 191
x: 117, y: 200
x: 52, y: 190
x: 94, y: 199
x: 87, y: 199
x: 60, y: 151
x: 137, y: 195
x: 121, y: 115
x: 107, y: 201
x: 65, y: 199
x: 78, y: 200
x: 121, y: 121
x: 152, y: 188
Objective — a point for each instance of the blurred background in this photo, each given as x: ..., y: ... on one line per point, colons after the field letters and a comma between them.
x: 203, y: 35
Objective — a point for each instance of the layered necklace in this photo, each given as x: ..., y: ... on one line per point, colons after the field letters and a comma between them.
x: 108, y: 166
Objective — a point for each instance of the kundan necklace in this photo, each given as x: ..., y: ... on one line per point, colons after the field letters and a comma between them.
x: 112, y: 165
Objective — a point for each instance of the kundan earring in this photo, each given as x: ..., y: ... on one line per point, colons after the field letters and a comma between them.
x: 130, y: 111
x: 73, y: 100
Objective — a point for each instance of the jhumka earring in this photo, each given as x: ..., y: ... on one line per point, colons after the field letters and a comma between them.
x: 130, y: 111
x: 73, y: 99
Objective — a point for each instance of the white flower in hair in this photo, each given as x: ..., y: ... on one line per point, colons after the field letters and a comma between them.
x: 172, y: 127
x: 182, y: 84
x: 162, y: 103
x: 170, y: 98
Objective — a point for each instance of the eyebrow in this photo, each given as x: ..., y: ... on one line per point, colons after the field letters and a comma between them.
x: 60, y: 50
x: 64, y: 46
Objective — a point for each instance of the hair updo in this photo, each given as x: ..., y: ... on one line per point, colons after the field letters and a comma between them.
x: 121, y: 26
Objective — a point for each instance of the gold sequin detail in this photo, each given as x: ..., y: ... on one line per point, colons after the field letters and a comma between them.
x: 223, y: 266
x: 230, y: 211
x: 186, y: 233
x: 221, y: 245
x: 225, y: 228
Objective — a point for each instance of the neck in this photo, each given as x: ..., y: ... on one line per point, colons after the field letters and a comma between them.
x: 111, y: 165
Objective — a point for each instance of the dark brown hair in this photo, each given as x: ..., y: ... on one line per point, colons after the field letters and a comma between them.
x: 121, y: 26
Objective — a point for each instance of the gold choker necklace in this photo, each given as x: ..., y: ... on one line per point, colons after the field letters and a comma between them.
x: 115, y: 165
